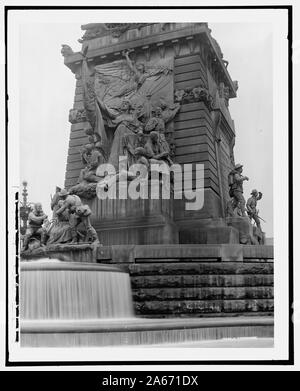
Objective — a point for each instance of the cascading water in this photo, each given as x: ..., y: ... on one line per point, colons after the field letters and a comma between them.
x: 52, y: 289
x: 75, y: 304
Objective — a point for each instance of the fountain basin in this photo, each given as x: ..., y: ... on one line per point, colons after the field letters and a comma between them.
x: 72, y: 304
x: 138, y: 331
x: 59, y: 290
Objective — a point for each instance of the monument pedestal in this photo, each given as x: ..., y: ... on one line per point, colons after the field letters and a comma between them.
x: 244, y: 227
x: 230, y: 230
x: 234, y: 230
x: 130, y: 221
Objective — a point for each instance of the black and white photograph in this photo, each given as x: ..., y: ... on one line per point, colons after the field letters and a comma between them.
x: 149, y: 186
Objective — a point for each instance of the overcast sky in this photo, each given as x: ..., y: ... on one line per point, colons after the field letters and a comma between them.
x: 47, y: 93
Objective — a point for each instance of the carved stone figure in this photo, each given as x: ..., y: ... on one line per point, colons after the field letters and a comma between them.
x: 156, y: 122
x: 226, y: 96
x: 127, y: 127
x: 235, y: 182
x: 236, y: 85
x: 76, y: 116
x: 162, y: 115
x: 108, y: 85
x: 78, y: 213
x: 251, y: 207
x: 59, y: 230
x: 168, y: 113
x: 178, y: 95
x: 35, y: 229
x: 139, y: 71
x: 224, y: 93
x: 154, y: 150
x: 66, y: 50
x: 195, y: 94
x: 91, y: 158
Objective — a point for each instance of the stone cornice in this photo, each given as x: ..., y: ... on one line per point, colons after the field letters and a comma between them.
x: 72, y: 61
x: 223, y: 68
x: 137, y: 43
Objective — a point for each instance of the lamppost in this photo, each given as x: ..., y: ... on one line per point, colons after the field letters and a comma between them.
x: 25, y: 208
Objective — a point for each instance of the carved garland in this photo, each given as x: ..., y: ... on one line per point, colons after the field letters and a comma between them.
x: 196, y: 94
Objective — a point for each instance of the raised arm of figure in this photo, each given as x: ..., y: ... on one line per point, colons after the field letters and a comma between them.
x: 129, y: 62
x: 259, y: 196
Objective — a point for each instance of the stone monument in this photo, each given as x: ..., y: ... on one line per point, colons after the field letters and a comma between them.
x: 178, y: 67
x: 157, y: 94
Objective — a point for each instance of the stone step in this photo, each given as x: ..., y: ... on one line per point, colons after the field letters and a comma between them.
x: 194, y: 268
x: 207, y: 293
x: 203, y: 306
x: 191, y: 316
x: 233, y: 280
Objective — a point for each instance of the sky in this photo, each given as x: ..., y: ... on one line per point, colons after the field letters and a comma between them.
x: 46, y: 94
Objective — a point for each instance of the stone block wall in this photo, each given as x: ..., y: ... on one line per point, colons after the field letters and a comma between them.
x: 197, y: 281
x: 202, y: 288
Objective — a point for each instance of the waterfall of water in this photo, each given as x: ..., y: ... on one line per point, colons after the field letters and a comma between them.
x: 86, y: 304
x: 53, y: 289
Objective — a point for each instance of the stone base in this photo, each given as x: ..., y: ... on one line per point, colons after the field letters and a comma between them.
x: 222, y: 235
x: 231, y: 230
x: 196, y: 280
x: 84, y: 252
x: 259, y: 236
x: 154, y: 230
x: 148, y: 221
x: 209, y: 231
x: 244, y: 227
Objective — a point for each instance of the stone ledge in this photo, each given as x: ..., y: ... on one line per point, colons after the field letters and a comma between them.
x: 134, y: 324
x: 154, y: 253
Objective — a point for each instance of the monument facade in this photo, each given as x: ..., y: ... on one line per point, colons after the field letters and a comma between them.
x: 174, y: 78
x: 151, y: 117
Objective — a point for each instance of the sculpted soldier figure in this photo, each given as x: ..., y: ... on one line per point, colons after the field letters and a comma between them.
x: 251, y: 206
x: 161, y: 116
x: 91, y: 157
x: 155, y: 151
x: 235, y: 182
x: 36, y: 219
x: 78, y: 213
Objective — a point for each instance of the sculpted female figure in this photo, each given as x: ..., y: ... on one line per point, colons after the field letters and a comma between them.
x: 139, y: 70
x: 127, y: 127
x: 59, y: 230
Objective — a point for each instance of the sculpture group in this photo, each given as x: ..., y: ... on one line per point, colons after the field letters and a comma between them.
x: 127, y: 116
x: 237, y: 206
x: 70, y: 223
